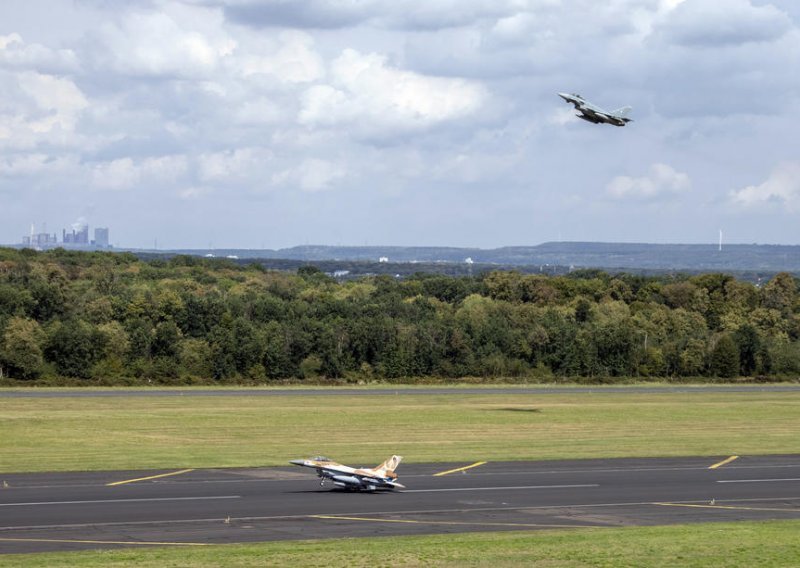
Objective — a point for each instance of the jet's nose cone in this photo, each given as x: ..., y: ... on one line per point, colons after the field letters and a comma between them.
x: 297, y: 462
x: 564, y: 96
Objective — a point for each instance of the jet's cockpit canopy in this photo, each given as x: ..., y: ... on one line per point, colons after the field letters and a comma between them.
x: 320, y: 459
x: 576, y: 95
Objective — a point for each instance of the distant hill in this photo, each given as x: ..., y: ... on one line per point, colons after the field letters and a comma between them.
x: 616, y: 256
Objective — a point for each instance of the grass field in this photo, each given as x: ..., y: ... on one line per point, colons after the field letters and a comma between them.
x: 40, y: 434
x: 733, y: 545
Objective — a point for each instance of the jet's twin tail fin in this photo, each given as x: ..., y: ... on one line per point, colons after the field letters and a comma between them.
x: 622, y: 112
x: 388, y: 467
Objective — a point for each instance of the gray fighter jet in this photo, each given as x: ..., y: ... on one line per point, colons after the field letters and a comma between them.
x: 591, y: 113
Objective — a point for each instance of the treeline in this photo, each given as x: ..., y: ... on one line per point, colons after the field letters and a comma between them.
x: 114, y: 319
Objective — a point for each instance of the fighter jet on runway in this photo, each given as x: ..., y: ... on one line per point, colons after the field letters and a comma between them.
x: 352, y: 479
x: 588, y: 111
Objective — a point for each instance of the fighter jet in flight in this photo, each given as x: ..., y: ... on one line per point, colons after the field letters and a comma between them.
x: 355, y: 479
x: 589, y: 112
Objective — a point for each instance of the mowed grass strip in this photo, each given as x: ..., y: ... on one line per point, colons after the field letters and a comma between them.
x: 733, y: 545
x: 194, y: 432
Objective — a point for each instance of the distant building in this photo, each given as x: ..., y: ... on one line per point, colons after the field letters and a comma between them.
x: 77, y: 237
x: 42, y: 239
x: 101, y: 237
x: 383, y: 259
x: 39, y: 240
x: 469, y: 260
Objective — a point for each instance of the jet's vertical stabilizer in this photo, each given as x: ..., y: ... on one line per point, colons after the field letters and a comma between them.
x: 388, y: 466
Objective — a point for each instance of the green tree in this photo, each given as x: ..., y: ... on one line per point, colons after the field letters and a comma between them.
x: 780, y: 292
x: 195, y: 358
x: 166, y: 340
x: 74, y: 347
x: 15, y: 301
x: 692, y: 358
x: 749, y: 344
x: 310, y: 367
x: 21, y: 348
x: 724, y: 360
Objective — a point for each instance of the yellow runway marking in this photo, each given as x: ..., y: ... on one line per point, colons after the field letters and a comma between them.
x: 466, y: 467
x: 452, y: 523
x: 126, y: 542
x: 723, y: 462
x: 150, y: 477
x: 734, y: 507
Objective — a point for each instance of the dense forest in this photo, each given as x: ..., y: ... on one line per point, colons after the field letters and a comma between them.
x: 105, y: 318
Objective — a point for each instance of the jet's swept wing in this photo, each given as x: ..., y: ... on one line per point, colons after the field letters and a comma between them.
x: 591, y: 113
x: 355, y: 479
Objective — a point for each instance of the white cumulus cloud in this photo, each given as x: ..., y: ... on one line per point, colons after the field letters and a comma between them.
x: 662, y: 180
x: 366, y: 91
x: 184, y: 42
x: 15, y: 53
x: 59, y: 100
x: 294, y: 60
x: 781, y: 188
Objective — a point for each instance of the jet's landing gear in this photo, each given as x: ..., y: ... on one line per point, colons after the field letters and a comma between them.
x: 322, y: 483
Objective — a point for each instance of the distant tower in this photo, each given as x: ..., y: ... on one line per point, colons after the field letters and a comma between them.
x: 101, y: 237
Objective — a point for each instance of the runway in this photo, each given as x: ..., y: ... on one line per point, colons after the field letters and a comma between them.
x: 401, y: 390
x: 71, y: 511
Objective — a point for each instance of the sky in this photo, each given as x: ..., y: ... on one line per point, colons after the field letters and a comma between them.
x: 274, y: 123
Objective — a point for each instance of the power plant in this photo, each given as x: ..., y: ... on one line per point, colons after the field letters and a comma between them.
x: 78, y: 238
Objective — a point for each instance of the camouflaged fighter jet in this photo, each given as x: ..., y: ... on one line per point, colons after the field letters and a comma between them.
x: 591, y: 113
x: 352, y: 479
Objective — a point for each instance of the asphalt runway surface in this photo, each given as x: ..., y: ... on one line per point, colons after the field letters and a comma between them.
x: 340, y: 391
x: 71, y: 511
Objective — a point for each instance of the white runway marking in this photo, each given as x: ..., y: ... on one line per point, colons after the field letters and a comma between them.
x: 120, y: 501
x: 500, y: 488
x: 757, y: 480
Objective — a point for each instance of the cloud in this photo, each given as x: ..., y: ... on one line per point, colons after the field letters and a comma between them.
x: 38, y: 109
x: 126, y: 173
x: 298, y: 14
x: 710, y: 23
x: 235, y: 166
x: 337, y: 14
x: 661, y: 181
x: 781, y: 188
x: 294, y: 60
x: 16, y: 54
x: 446, y: 107
x: 194, y: 192
x: 311, y: 175
x: 182, y: 42
x: 368, y: 93
x: 59, y: 99
x: 35, y: 164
